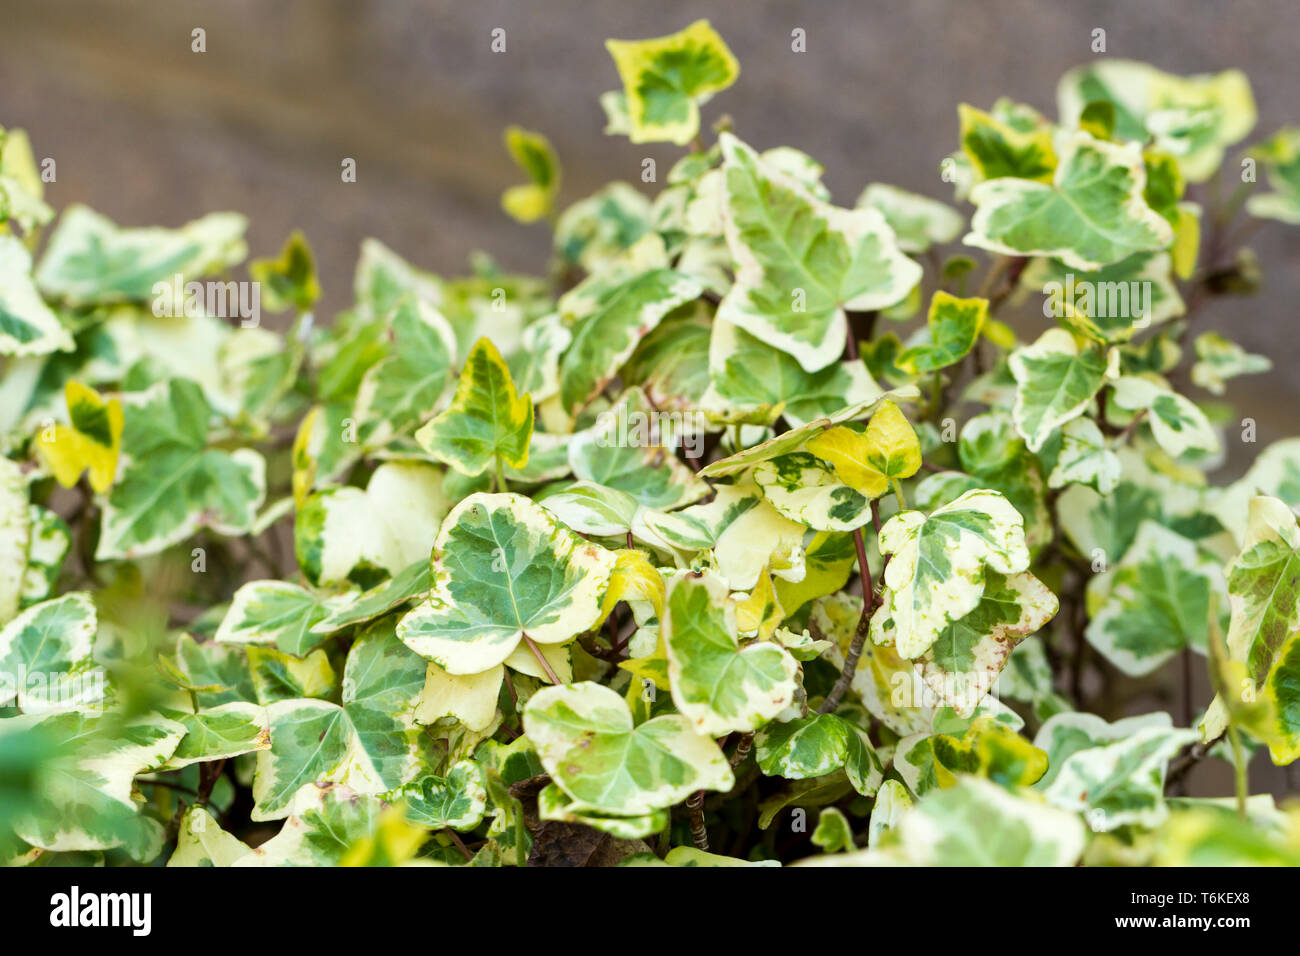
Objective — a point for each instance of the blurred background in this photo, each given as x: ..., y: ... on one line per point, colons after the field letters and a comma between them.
x: 149, y: 132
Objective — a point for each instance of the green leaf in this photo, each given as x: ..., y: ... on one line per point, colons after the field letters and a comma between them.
x: 290, y: 279
x: 666, y: 79
x: 717, y: 684
x: 1194, y: 117
x: 457, y: 800
x: 955, y: 325
x: 1177, y: 425
x: 90, y: 260
x: 274, y: 612
x: 504, y: 568
x: 1055, y: 382
x: 1112, y: 304
x: 1264, y: 587
x: 350, y: 609
x: 748, y: 374
x: 630, y: 449
x: 47, y: 656
x: 200, y: 841
x: 327, y: 822
x: 586, y: 741
x: 816, y: 745
x: 800, y: 263
x: 833, y: 833
x: 217, y: 733
x: 82, y: 797
x: 487, y: 422
x: 174, y: 482
x: 370, y: 742
x: 997, y: 149
x: 918, y: 221
x: 937, y: 572
x: 610, y: 312
x: 280, y: 676
x: 1219, y: 359
x: 396, y: 394
x: 27, y: 326
x: 1155, y: 602
x: 1120, y: 783
x: 1091, y: 215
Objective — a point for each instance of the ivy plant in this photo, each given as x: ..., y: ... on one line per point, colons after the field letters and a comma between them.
x: 757, y: 529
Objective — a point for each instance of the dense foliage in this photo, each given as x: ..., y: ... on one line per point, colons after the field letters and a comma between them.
x: 749, y: 533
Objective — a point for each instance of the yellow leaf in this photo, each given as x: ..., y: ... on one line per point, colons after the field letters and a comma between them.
x: 761, y: 612
x: 90, y: 443
x: 868, y: 461
x: 634, y: 579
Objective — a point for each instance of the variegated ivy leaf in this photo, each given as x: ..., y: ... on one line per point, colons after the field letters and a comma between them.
x: 201, y: 841
x: 794, y: 439
x: 214, y: 674
x: 717, y: 684
x: 1219, y: 359
x: 805, y: 490
x: 90, y: 260
x: 503, y: 570
x: 280, y: 676
x: 289, y: 279
x: 48, y: 542
x: 966, y: 659
x: 834, y: 834
x: 82, y: 794
x: 1111, y: 304
x: 630, y: 449
x: 1263, y: 587
x: 976, y: 745
x: 1081, y: 456
x: 999, y: 146
x: 589, y: 508
x: 795, y: 300
x: 344, y: 532
x: 216, y: 733
x: 586, y: 741
x: 1275, y: 473
x: 174, y: 482
x: 1092, y: 214
x: 47, y: 656
x: 978, y: 823
x: 397, y: 393
x: 892, y: 801
x: 596, y: 230
x: 671, y: 364
x: 468, y: 698
x: 918, y: 221
x: 532, y: 153
x: 1280, y: 728
x: 370, y: 742
x: 22, y: 191
x: 356, y: 608
x: 1280, y: 155
x: 457, y: 800
x: 27, y: 325
x: 1121, y: 783
x: 327, y: 822
x: 554, y: 804
x: 1055, y: 382
x: 610, y: 312
x: 829, y: 559
x: 274, y: 612
x: 937, y: 571
x: 1155, y: 602
x: 1063, y: 735
x: 667, y: 78
x: 876, y: 458
x: 748, y: 374
x: 1194, y: 117
x: 535, y: 366
x: 15, y: 537
x: 954, y: 325
x: 816, y: 745
x: 487, y: 424
x: 1177, y: 425
x: 90, y: 442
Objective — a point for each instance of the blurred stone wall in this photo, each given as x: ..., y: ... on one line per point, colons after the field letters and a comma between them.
x: 147, y: 131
